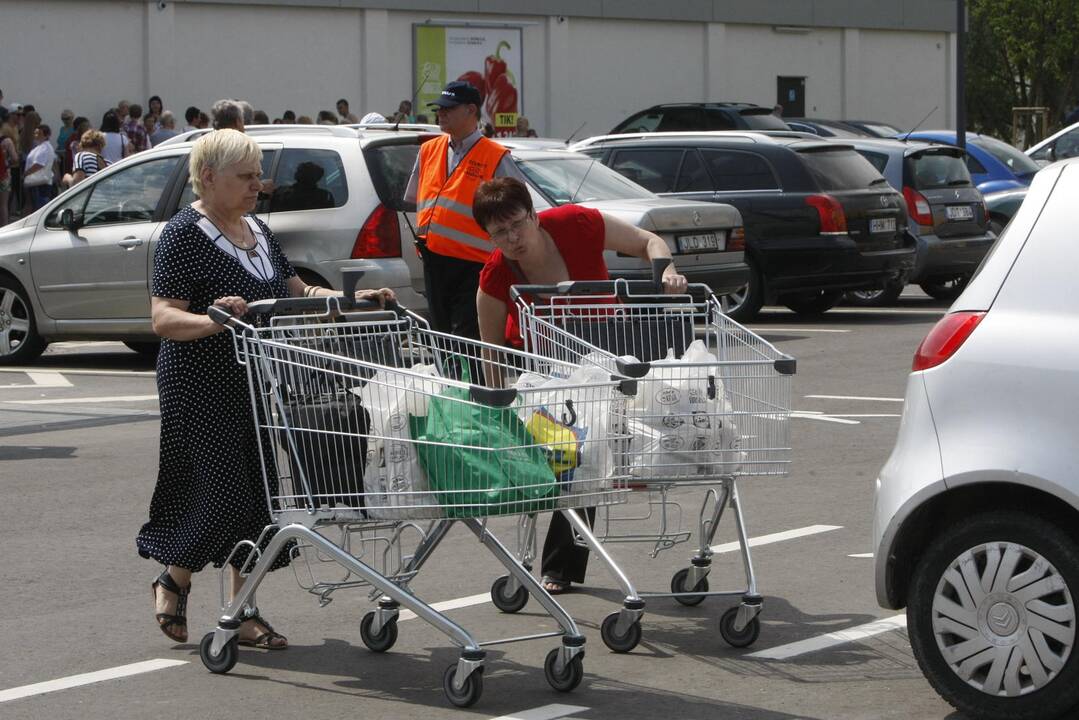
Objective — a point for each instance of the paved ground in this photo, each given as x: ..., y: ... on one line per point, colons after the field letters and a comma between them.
x: 78, y: 441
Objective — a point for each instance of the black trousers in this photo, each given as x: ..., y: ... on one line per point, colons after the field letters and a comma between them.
x: 563, y: 559
x: 451, y: 285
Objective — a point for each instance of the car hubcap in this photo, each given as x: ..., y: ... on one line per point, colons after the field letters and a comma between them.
x: 1004, y: 619
x: 867, y: 295
x: 736, y: 299
x: 14, y: 322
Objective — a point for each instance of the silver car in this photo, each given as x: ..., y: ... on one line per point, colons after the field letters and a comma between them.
x: 79, y: 268
x: 976, y: 522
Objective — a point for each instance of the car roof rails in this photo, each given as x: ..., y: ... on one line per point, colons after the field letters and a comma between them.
x: 408, y: 127
x: 748, y: 136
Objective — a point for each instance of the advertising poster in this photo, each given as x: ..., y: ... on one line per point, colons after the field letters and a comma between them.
x: 487, y: 58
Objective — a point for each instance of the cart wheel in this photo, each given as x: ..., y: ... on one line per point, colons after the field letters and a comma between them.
x: 222, y: 662
x: 619, y: 643
x: 738, y: 638
x: 508, y: 603
x: 384, y: 639
x: 678, y: 585
x: 571, y: 674
x: 469, y: 694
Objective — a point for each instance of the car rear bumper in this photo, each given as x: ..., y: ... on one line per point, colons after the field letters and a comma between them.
x: 831, y: 263
x: 947, y: 256
x: 722, y: 279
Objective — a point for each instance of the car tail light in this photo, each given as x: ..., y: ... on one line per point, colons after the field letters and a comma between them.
x: 833, y: 221
x: 736, y: 240
x: 945, y: 338
x: 918, y: 206
x: 380, y: 236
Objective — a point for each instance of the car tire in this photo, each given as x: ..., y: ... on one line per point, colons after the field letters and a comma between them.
x: 876, y: 298
x: 744, y: 304
x: 944, y: 288
x: 814, y: 302
x: 19, y: 339
x: 991, y: 617
x: 997, y: 225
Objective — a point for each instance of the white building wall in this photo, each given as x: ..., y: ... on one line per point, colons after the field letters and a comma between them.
x: 577, y: 70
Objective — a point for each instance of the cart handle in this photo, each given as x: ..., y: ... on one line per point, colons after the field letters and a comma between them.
x: 329, y: 305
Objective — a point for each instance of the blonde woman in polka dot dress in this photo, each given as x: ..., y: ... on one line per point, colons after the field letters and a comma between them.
x: 209, y: 492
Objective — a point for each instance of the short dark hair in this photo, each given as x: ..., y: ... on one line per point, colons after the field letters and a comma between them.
x: 500, y: 198
x: 342, y: 100
x: 289, y: 116
x: 191, y: 114
x: 79, y: 121
x: 45, y: 130
x: 261, y: 118
x: 134, y: 111
x: 110, y: 122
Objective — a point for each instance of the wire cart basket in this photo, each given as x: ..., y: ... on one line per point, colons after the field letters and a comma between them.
x: 711, y: 406
x: 374, y: 442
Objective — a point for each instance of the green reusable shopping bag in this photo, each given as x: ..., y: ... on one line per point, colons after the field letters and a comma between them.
x: 472, y: 472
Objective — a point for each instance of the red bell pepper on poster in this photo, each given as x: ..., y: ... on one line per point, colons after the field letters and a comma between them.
x: 476, y: 80
x: 501, y: 92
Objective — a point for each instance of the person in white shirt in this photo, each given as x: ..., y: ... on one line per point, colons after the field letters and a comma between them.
x: 39, y: 163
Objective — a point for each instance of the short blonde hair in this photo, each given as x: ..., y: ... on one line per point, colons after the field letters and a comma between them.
x: 219, y: 149
x: 92, y: 139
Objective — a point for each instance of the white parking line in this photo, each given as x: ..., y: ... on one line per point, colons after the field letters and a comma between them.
x: 79, y: 371
x: 40, y: 379
x: 840, y: 637
x: 808, y: 415
x: 854, y: 397
x: 71, y: 681
x: 777, y: 537
x: 865, y: 415
x: 83, y: 400
x: 547, y: 712
x: 764, y: 330
x: 450, y: 605
x: 861, y: 555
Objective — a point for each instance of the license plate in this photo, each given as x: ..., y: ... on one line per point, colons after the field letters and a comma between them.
x: 882, y: 225
x: 959, y: 212
x: 704, y: 242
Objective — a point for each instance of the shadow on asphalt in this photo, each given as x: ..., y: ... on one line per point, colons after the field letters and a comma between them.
x: 36, y: 452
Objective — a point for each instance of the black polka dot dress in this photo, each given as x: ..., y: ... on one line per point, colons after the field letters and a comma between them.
x: 210, y: 492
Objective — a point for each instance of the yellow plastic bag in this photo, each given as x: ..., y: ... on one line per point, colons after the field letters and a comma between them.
x: 562, y: 444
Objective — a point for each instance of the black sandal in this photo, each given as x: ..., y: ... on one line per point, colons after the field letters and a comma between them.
x: 165, y: 621
x: 265, y: 641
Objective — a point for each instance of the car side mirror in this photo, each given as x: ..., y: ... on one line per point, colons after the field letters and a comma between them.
x: 68, y: 221
x: 1051, y: 154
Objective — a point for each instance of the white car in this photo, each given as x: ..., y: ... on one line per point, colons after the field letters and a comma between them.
x: 1061, y: 145
x: 976, y: 523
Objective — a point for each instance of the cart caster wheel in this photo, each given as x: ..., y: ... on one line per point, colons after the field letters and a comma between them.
x: 678, y: 585
x: 469, y: 694
x: 508, y: 603
x: 738, y: 638
x: 571, y: 674
x: 619, y: 643
x: 384, y: 639
x: 225, y: 660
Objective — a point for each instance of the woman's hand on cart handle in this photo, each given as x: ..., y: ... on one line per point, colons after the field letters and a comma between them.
x: 232, y: 304
x: 221, y: 316
x: 385, y: 297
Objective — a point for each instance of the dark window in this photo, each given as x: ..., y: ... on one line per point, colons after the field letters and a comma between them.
x: 646, y: 121
x: 975, y: 167
x: 308, y: 179
x: 693, y: 177
x: 732, y: 171
x: 652, y: 169
x: 677, y: 119
x: 129, y: 196
x: 758, y: 120
x: 188, y: 195
x: 719, y: 120
x: 391, y: 167
x: 1067, y: 145
x: 938, y: 170
x: 877, y: 160
x: 841, y: 170
x: 1016, y: 161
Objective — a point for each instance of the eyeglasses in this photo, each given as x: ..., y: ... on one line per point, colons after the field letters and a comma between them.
x: 514, y: 227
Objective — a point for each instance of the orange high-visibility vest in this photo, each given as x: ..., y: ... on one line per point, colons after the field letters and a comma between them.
x: 444, y: 204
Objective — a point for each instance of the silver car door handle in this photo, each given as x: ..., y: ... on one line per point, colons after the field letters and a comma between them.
x: 130, y: 242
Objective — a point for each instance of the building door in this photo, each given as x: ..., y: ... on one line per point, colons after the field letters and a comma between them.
x: 791, y: 94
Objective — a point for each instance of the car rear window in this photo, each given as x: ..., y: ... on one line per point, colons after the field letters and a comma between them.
x: 877, y: 160
x: 930, y: 171
x: 763, y: 120
x: 391, y: 167
x: 309, y: 179
x: 840, y: 169
x: 1016, y: 161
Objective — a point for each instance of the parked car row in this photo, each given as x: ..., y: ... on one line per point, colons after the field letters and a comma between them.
x: 79, y: 268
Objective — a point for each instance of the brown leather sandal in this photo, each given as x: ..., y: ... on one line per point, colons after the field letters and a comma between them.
x: 265, y: 641
x: 174, y: 626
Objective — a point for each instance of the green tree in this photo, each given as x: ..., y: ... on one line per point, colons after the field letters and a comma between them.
x: 1021, y: 53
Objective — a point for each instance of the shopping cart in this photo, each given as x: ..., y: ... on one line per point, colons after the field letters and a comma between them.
x: 717, y: 415
x: 371, y: 435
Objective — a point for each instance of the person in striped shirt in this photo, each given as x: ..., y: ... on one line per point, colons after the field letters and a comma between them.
x: 88, y: 160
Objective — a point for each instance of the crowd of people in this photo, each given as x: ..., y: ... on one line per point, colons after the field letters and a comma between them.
x: 36, y: 162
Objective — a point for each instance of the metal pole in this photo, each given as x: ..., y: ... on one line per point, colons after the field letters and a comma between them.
x: 960, y: 74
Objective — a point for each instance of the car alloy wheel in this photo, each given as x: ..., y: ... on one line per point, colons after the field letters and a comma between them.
x: 19, y: 341
x: 992, y: 617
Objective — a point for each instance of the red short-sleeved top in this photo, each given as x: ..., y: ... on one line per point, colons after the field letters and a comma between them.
x: 578, y: 233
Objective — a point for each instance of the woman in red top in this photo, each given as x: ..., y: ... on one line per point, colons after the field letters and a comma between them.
x: 564, y: 243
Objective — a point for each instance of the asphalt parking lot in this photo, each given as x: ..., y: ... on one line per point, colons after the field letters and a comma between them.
x: 78, y: 449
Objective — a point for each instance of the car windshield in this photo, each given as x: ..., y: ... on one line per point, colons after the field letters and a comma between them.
x: 565, y: 179
x: 1017, y: 162
x: 938, y: 170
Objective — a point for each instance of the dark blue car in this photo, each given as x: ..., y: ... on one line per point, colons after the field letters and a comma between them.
x: 994, y: 165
